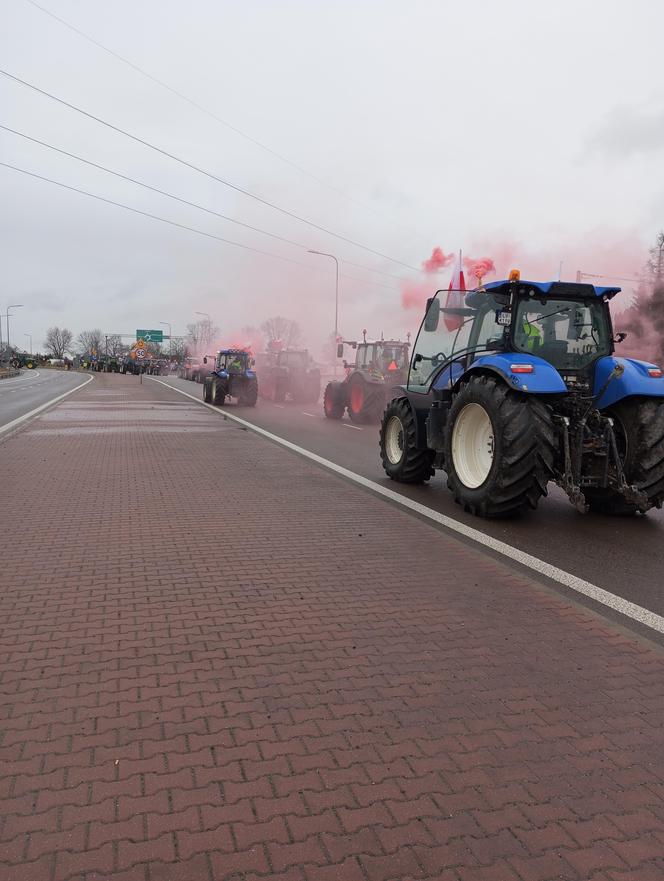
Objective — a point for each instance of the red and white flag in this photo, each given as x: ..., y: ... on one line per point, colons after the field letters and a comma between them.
x: 456, y: 295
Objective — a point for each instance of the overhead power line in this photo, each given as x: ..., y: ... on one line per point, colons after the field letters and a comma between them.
x: 182, y: 200
x: 203, y: 109
x: 208, y: 174
x: 174, y: 223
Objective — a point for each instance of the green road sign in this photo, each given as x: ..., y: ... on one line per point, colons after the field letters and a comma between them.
x: 150, y: 336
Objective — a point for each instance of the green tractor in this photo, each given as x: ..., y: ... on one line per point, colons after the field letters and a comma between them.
x: 23, y: 359
x: 378, y: 367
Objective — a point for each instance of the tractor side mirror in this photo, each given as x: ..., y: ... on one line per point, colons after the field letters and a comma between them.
x: 340, y: 350
x: 432, y: 316
x: 619, y: 337
x: 205, y: 360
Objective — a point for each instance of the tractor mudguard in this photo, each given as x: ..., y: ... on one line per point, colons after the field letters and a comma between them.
x: 544, y: 379
x: 448, y: 376
x: 634, y: 381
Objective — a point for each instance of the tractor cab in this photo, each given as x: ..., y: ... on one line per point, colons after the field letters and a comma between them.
x: 232, y: 361
x: 566, y: 325
x: 384, y: 357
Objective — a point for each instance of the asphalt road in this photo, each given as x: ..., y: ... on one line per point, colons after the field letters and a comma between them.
x: 622, y: 555
x: 21, y: 394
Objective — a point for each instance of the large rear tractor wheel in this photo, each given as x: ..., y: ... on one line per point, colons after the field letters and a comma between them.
x: 499, y: 449
x: 333, y: 400
x: 638, y: 424
x: 402, y: 460
x: 366, y: 400
x: 207, y: 392
x: 249, y: 394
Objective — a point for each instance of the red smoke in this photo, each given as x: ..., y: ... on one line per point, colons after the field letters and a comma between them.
x: 414, y: 294
x: 479, y: 268
x: 438, y: 260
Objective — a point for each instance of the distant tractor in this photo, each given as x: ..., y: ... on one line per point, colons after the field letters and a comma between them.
x: 378, y: 367
x: 519, y: 387
x: 22, y: 359
x: 231, y: 377
x: 290, y: 373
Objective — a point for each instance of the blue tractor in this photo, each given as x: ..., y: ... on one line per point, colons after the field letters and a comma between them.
x: 231, y: 377
x: 519, y: 386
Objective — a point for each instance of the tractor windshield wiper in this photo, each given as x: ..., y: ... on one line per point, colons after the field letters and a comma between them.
x: 550, y: 314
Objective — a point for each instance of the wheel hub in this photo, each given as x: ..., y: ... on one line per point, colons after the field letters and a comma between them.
x: 394, y: 440
x: 473, y: 445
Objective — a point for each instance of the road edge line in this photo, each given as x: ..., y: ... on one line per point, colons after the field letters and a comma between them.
x: 625, y: 607
x: 21, y: 419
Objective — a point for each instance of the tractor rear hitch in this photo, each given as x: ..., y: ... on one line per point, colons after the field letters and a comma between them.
x: 566, y: 480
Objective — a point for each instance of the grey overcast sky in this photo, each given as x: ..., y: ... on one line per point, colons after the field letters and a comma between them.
x: 527, y: 131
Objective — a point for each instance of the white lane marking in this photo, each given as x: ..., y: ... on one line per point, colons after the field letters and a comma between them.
x: 20, y: 378
x: 304, y: 413
x: 348, y: 425
x: 281, y: 406
x: 16, y: 422
x: 580, y: 585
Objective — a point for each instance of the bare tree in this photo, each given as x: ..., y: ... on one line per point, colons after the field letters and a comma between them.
x: 177, y: 348
x: 58, y: 341
x: 114, y: 346
x: 284, y: 329
x: 655, y: 265
x: 90, y: 342
x: 201, y: 335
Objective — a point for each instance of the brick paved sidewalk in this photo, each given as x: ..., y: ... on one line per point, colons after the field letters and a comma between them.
x: 219, y: 662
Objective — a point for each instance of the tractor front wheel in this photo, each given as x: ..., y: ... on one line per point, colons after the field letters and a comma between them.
x: 365, y: 400
x: 207, y: 392
x: 401, y: 459
x: 333, y: 403
x: 499, y: 449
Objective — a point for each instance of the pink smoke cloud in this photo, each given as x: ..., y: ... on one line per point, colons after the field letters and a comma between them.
x: 479, y: 268
x: 438, y: 260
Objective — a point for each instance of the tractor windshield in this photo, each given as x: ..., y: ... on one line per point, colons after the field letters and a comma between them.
x: 446, y: 335
x: 293, y: 359
x: 233, y: 362
x: 393, y: 358
x: 569, y: 334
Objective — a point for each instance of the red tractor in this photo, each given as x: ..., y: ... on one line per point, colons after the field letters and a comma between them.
x: 378, y: 367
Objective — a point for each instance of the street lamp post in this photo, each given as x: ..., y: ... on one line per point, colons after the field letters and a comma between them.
x: 13, y: 306
x: 209, y: 328
x: 29, y: 336
x: 170, y: 338
x: 336, y: 298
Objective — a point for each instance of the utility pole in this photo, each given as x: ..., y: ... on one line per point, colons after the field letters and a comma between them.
x: 336, y: 299
x: 13, y: 306
x: 170, y: 338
